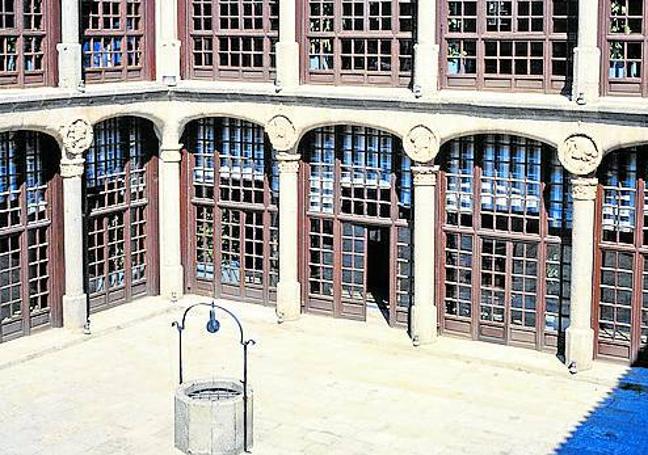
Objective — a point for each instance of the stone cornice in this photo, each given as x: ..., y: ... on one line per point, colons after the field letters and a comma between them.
x: 561, y: 112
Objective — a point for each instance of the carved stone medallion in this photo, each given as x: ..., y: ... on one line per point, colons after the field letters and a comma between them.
x: 282, y: 132
x: 579, y: 155
x: 77, y: 138
x: 421, y: 144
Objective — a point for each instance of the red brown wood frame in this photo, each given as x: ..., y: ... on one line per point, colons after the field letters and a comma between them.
x: 145, y: 70
x: 228, y: 212
x: 549, y: 81
x: 37, y: 277
x: 48, y: 35
x: 312, y: 230
x: 636, y: 251
x: 121, y: 218
x: 624, y: 85
x: 400, y: 43
x: 537, y: 336
x: 222, y: 50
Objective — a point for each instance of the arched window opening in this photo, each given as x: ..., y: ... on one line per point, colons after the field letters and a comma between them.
x: 358, y: 188
x: 31, y: 282
x: 621, y: 300
x: 505, y: 231
x: 232, y: 190
x: 121, y: 212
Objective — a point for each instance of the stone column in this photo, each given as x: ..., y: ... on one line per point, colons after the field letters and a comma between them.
x: 75, y: 300
x: 587, y: 55
x: 424, y: 311
x: 426, y: 50
x: 168, y: 49
x: 69, y: 49
x: 288, y: 288
x: 287, y: 49
x: 77, y: 138
x: 171, y: 270
x: 580, y: 336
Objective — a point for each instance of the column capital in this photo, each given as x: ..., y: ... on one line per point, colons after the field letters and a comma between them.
x: 288, y: 162
x: 584, y: 188
x: 72, y: 167
x: 170, y: 152
x: 425, y: 175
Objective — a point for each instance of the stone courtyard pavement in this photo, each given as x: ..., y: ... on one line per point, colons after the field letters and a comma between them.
x: 322, y: 386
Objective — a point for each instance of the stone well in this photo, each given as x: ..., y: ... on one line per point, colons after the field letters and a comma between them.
x: 209, y: 418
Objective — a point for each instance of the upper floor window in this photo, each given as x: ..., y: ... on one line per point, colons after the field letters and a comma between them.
x: 358, y: 41
x: 520, y: 45
x: 27, y: 42
x: 625, y: 43
x: 117, y: 41
x: 230, y: 39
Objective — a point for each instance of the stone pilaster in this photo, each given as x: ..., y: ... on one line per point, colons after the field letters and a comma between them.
x: 426, y: 50
x: 287, y: 49
x: 424, y: 311
x: 168, y: 48
x: 69, y: 49
x: 580, y: 336
x: 288, y: 288
x: 171, y: 270
x: 587, y: 55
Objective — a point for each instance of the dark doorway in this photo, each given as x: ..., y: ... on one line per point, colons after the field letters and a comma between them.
x: 378, y: 246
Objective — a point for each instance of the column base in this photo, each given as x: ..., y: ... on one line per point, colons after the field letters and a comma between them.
x: 75, y: 311
x: 287, y: 65
x: 424, y: 324
x: 579, y: 349
x: 587, y: 61
x: 288, y: 301
x: 426, y: 73
x: 172, y: 282
x: 69, y: 63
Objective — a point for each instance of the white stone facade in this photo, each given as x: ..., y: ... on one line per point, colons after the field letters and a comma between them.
x: 425, y: 118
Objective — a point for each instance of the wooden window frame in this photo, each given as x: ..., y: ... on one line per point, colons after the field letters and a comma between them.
x: 546, y: 82
x: 49, y: 34
x: 543, y: 237
x: 31, y: 252
x: 259, y: 41
x: 632, y: 246
x: 624, y: 85
x: 396, y: 220
x: 224, y: 200
x: 123, y: 71
x: 116, y: 196
x: 356, y: 43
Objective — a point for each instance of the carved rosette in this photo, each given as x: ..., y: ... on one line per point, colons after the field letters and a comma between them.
x: 584, y: 189
x: 421, y: 144
x: 288, y: 163
x: 77, y: 138
x: 425, y: 175
x: 282, y: 133
x: 580, y: 155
